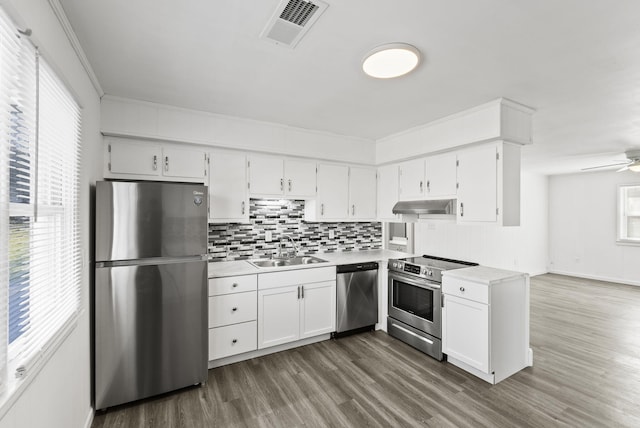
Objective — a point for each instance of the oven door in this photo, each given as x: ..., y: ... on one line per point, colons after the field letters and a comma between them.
x: 416, y: 302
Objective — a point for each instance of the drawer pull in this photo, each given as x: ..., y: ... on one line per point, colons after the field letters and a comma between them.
x: 234, y: 341
x: 235, y: 284
x: 462, y: 289
x: 234, y: 309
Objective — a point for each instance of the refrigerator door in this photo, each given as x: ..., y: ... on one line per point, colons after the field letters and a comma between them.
x: 150, y: 330
x: 138, y: 220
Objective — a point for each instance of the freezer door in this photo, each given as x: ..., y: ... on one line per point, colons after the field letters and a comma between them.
x: 137, y: 220
x: 150, y: 330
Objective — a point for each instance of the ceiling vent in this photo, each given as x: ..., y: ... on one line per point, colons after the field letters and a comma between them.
x: 291, y: 21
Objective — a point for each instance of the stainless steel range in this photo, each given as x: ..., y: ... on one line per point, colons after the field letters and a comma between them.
x: 415, y: 301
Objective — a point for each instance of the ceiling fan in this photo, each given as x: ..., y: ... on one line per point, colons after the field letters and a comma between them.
x: 632, y: 163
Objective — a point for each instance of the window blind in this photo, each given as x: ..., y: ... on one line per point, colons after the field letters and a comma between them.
x: 40, y: 259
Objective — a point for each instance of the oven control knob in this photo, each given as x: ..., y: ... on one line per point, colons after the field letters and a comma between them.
x: 430, y: 273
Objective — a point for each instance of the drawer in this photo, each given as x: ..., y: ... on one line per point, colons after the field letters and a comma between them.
x: 233, y: 308
x: 233, y: 339
x: 466, y: 289
x: 232, y: 284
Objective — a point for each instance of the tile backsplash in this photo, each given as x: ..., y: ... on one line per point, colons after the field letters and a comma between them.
x: 286, y: 217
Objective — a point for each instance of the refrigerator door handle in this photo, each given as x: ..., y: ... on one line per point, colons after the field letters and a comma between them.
x: 152, y: 261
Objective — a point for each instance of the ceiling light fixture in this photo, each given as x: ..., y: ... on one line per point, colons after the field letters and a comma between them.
x: 635, y: 167
x: 391, y: 60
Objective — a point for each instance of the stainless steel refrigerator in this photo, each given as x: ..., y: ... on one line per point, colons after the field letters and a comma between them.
x: 150, y: 289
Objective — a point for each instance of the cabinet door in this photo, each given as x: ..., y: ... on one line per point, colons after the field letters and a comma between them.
x: 412, y: 182
x: 228, y: 199
x: 388, y: 187
x: 318, y: 309
x: 184, y: 163
x: 278, y: 316
x: 300, y: 179
x: 127, y: 158
x: 441, y: 175
x: 333, y: 192
x: 266, y: 176
x: 465, y: 331
x: 477, y: 178
x: 362, y: 193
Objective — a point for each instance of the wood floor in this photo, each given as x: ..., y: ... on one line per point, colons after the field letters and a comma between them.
x: 585, y: 337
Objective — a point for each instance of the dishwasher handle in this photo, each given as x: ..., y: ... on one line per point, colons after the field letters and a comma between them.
x: 357, y: 267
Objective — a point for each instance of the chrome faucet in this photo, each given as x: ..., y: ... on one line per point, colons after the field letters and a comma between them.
x: 293, y: 242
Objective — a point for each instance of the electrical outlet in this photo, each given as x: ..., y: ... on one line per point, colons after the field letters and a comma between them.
x: 332, y: 234
x: 267, y: 236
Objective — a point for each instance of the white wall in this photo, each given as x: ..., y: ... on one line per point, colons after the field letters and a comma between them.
x: 522, y: 248
x: 133, y: 118
x: 59, y: 395
x: 583, y: 224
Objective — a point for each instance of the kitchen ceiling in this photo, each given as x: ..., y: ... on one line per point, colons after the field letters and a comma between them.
x: 576, y: 62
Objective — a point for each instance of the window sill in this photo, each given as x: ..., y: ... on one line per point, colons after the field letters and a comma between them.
x: 14, y: 388
x: 629, y: 242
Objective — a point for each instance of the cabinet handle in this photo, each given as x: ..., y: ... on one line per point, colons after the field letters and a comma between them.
x: 353, y: 209
x: 155, y: 162
x: 462, y: 289
x: 234, y: 309
x: 282, y: 184
x: 461, y: 209
x: 302, y: 294
x: 421, y: 186
x: 234, y: 341
x: 166, y: 163
x: 321, y: 209
x: 242, y: 207
x: 289, y: 184
x: 234, y: 285
x: 428, y: 186
x: 298, y: 292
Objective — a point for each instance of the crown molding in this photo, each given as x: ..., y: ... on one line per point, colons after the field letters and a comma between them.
x: 58, y: 10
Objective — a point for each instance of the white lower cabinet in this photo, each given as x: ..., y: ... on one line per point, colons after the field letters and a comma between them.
x: 232, y: 315
x: 295, y: 305
x: 485, y: 321
x: 467, y: 331
x: 232, y: 340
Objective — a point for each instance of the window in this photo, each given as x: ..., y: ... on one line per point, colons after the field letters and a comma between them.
x: 629, y: 214
x: 40, y: 255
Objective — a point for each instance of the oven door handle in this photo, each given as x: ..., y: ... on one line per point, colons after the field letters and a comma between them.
x: 429, y: 285
x: 409, y: 332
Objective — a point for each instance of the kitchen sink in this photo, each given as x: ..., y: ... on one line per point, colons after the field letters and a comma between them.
x: 289, y: 261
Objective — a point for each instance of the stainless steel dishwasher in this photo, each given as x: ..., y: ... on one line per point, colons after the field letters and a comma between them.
x: 357, y: 298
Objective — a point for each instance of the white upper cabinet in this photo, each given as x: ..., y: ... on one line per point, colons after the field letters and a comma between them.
x: 362, y: 193
x: 266, y: 176
x: 129, y: 158
x: 489, y: 184
x: 136, y: 160
x: 228, y: 197
x: 412, y: 180
x: 441, y: 176
x: 276, y: 177
x: 299, y: 178
x: 332, y: 202
x: 388, y: 188
x: 183, y: 163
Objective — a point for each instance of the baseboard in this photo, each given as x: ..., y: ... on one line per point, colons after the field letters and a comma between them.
x: 89, y: 420
x: 596, y: 277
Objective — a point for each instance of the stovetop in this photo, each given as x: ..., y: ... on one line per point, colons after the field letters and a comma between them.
x: 427, y: 267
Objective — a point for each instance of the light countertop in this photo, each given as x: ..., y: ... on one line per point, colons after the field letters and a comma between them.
x: 482, y: 274
x: 243, y: 267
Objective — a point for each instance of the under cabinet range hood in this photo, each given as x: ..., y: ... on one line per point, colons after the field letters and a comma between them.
x: 432, y: 209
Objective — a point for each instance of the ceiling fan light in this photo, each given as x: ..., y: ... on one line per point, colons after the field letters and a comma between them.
x: 391, y: 60
x: 635, y: 167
